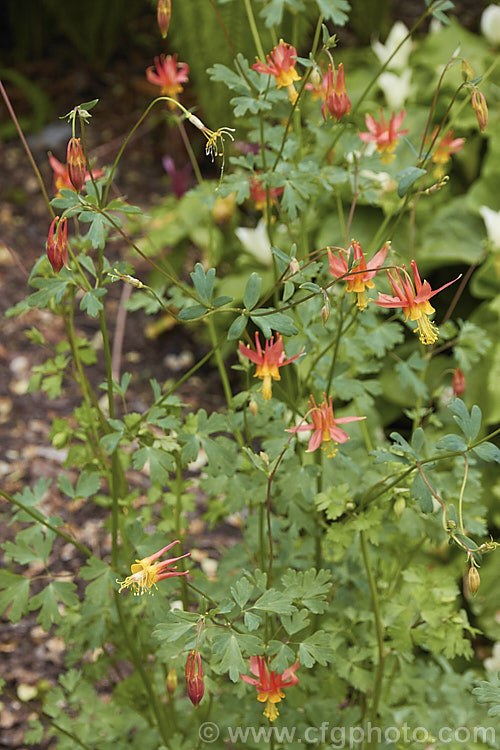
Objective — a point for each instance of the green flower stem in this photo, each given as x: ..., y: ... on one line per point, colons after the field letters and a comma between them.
x: 179, y: 487
x: 461, y: 498
x: 190, y: 152
x: 434, y: 495
x: 146, y: 680
x: 26, y: 148
x: 378, y: 627
x: 336, y: 347
x: 43, y: 521
x: 290, y: 118
x: 254, y: 30
x: 85, y: 153
x: 220, y: 365
x: 262, y: 553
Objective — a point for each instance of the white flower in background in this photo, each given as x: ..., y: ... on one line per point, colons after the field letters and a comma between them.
x: 492, y: 221
x: 381, y: 180
x: 256, y: 242
x: 493, y: 663
x: 384, y: 51
x: 490, y: 24
x: 396, y: 88
x: 435, y: 26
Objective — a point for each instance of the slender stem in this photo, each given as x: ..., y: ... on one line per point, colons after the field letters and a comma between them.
x: 336, y: 348
x: 220, y: 365
x: 26, y: 147
x: 261, y: 536
x: 41, y: 519
x: 190, y: 152
x: 461, y: 498
x: 269, y: 531
x: 434, y: 495
x: 179, y: 487
x: 137, y: 662
x: 378, y: 628
x: 254, y: 30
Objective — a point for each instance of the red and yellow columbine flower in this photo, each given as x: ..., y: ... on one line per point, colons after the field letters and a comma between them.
x: 169, y: 76
x: 270, y: 684
x: 324, y: 426
x: 268, y: 361
x: 194, y: 677
x: 281, y: 64
x: 363, y: 272
x: 146, y: 572
x: 414, y: 299
x: 335, y: 102
x: 383, y: 135
x: 258, y: 193
x: 75, y: 161
x: 443, y: 151
x: 57, y: 244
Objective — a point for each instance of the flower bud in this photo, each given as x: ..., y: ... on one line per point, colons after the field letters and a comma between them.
x: 480, y: 108
x: 467, y: 72
x: 76, y: 163
x: 458, y: 382
x: 194, y: 677
x: 57, y: 246
x: 294, y: 265
x: 163, y: 13
x: 473, y: 580
x: 171, y: 681
x: 253, y: 406
x: 325, y: 313
x: 490, y: 24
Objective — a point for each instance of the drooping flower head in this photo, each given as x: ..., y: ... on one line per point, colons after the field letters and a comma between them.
x: 385, y: 136
x: 281, y: 64
x: 335, y: 102
x: 57, y: 244
x: 363, y: 272
x: 194, y: 677
x: 75, y: 161
x: 62, y: 180
x: 414, y: 299
x: 268, y: 361
x: 146, y: 572
x: 270, y: 684
x: 168, y: 74
x: 324, y: 426
x: 480, y: 108
x: 163, y: 15
x: 258, y: 193
x: 443, y: 151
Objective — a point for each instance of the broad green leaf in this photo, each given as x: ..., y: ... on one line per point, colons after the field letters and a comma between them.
x: 193, y: 312
x: 406, y: 179
x: 487, y: 452
x: 14, y: 592
x: 421, y: 492
x: 252, y: 291
x: 242, y: 591
x: 161, y: 463
x: 316, y: 648
x: 237, y: 327
x: 203, y: 282
x: 451, y: 443
x: 275, y: 601
x: 91, y: 303
x: 88, y: 484
x: 176, y: 625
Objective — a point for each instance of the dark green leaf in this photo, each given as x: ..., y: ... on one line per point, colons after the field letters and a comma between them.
x: 91, y: 303
x: 406, y: 179
x: 190, y: 313
x: 421, y: 492
x: 252, y: 291
x: 487, y: 452
x: 237, y: 327
x: 203, y: 282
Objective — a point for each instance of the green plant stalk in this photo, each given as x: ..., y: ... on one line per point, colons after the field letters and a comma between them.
x: 43, y: 521
x: 190, y: 152
x: 261, y: 538
x: 85, y: 153
x: 179, y: 486
x: 137, y: 662
x: 336, y: 347
x: 378, y: 628
x: 116, y: 470
x: 461, y: 498
x: 254, y: 30
x: 220, y: 365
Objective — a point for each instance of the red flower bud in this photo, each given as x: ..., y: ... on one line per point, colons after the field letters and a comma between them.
x: 164, y: 12
x: 458, y: 382
x: 57, y: 246
x: 194, y: 677
x: 76, y: 164
x: 480, y: 108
